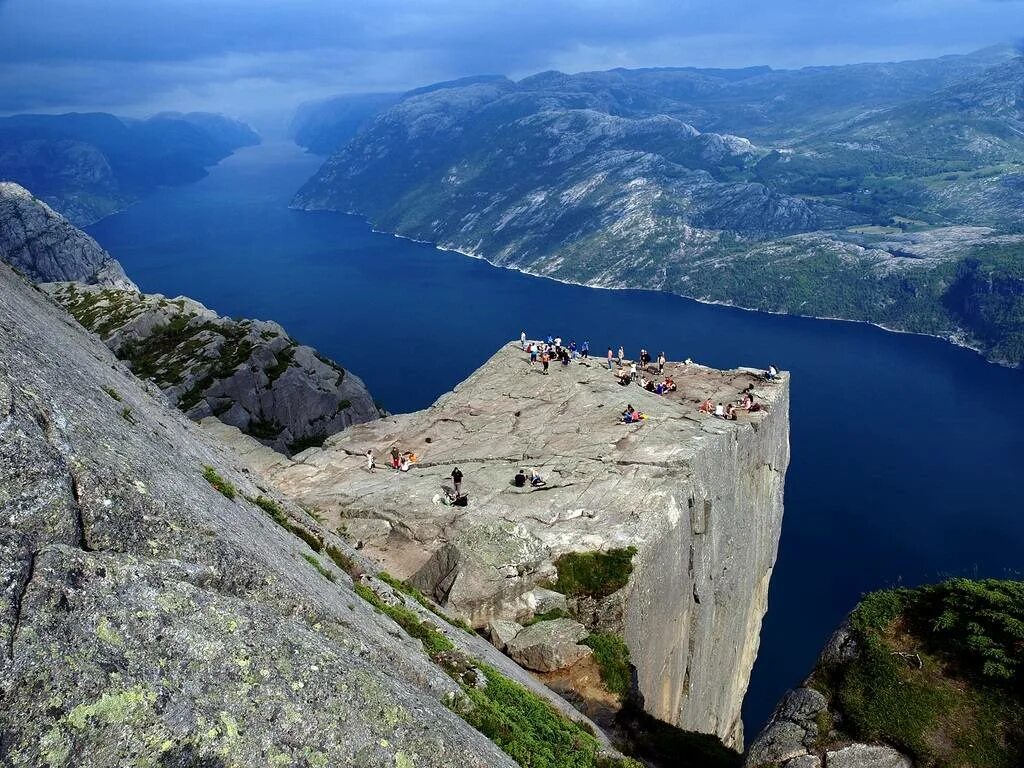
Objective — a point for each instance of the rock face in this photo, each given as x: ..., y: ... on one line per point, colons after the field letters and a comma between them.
x: 248, y: 373
x: 46, y: 247
x: 699, y: 498
x: 147, y: 616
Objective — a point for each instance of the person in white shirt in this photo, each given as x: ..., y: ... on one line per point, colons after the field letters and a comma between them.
x: 632, y: 371
x: 720, y: 411
x: 522, y: 340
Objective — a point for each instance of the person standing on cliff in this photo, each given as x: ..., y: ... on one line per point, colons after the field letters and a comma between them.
x: 610, y: 356
x: 369, y: 460
x: 457, y: 481
x: 622, y: 354
x: 661, y: 363
x: 522, y: 340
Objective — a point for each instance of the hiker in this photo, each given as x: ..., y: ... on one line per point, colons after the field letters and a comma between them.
x: 535, y: 478
x: 622, y: 354
x: 457, y: 481
x: 396, y: 457
x: 772, y: 373
x: 572, y: 349
x: 670, y: 385
x: 661, y: 363
x: 533, y: 354
x: 522, y: 340
x: 519, y: 481
x: 369, y: 460
x: 545, y: 359
x: 747, y: 401
x: 730, y: 412
x: 558, y: 341
x: 632, y: 371
x: 706, y: 406
x: 405, y: 464
x: 610, y: 356
x: 585, y: 350
x: 720, y: 411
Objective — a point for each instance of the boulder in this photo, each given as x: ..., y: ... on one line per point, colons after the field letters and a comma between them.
x: 549, y: 645
x: 502, y: 633
x: 546, y: 600
x: 867, y: 756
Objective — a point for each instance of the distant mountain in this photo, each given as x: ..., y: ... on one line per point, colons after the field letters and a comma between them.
x: 89, y: 165
x: 867, y: 192
x: 324, y: 126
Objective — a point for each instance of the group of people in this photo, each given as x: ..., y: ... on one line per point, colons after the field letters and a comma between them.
x: 534, y: 478
x: 553, y: 350
x: 400, y: 461
x: 747, y: 402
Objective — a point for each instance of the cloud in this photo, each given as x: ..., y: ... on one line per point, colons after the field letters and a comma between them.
x: 247, y: 56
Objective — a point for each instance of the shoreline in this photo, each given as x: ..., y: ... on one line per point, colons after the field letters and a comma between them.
x: 709, y: 302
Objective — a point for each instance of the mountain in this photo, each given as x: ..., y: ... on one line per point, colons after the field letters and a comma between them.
x: 325, y: 125
x: 89, y: 165
x: 869, y: 192
x: 46, y: 247
x: 160, y: 605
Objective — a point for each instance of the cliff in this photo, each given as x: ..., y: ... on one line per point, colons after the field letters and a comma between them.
x: 46, y: 247
x: 248, y: 373
x: 932, y: 676
x: 681, y: 515
x: 157, y: 605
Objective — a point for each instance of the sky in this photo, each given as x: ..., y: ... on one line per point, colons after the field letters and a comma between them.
x: 256, y: 58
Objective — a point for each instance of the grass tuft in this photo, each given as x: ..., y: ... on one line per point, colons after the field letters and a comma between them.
x: 594, y: 574
x: 219, y: 484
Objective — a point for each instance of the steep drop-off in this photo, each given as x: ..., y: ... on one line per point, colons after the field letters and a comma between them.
x: 693, y: 504
x: 157, y: 606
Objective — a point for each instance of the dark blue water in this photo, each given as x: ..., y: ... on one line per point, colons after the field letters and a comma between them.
x: 907, y: 452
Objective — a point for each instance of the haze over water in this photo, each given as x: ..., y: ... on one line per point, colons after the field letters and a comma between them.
x: 906, y: 451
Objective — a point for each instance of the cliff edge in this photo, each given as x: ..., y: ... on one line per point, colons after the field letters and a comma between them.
x: 662, y: 532
x: 46, y: 247
x: 159, y: 606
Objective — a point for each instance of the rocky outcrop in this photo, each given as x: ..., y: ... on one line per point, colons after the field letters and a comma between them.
x: 248, y: 373
x: 699, y: 500
x: 156, y: 604
x: 548, y: 646
x: 46, y: 247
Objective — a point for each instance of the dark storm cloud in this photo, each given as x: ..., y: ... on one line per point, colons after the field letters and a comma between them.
x: 244, y: 55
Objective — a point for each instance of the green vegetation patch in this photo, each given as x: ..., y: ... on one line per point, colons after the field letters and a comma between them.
x: 326, y: 573
x: 612, y: 657
x: 423, y: 600
x: 594, y: 574
x: 113, y: 393
x: 219, y: 484
x: 939, y: 673
x: 523, y: 724
x: 530, y: 730
x: 555, y: 613
x: 279, y: 516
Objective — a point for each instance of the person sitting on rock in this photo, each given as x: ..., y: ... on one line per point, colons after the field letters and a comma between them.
x: 772, y: 373
x: 707, y: 407
x: 405, y: 464
x: 670, y: 385
x: 535, y: 478
x: 730, y: 412
x: 720, y: 411
x: 519, y: 481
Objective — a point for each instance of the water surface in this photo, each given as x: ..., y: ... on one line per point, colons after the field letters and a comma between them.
x: 907, y: 451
